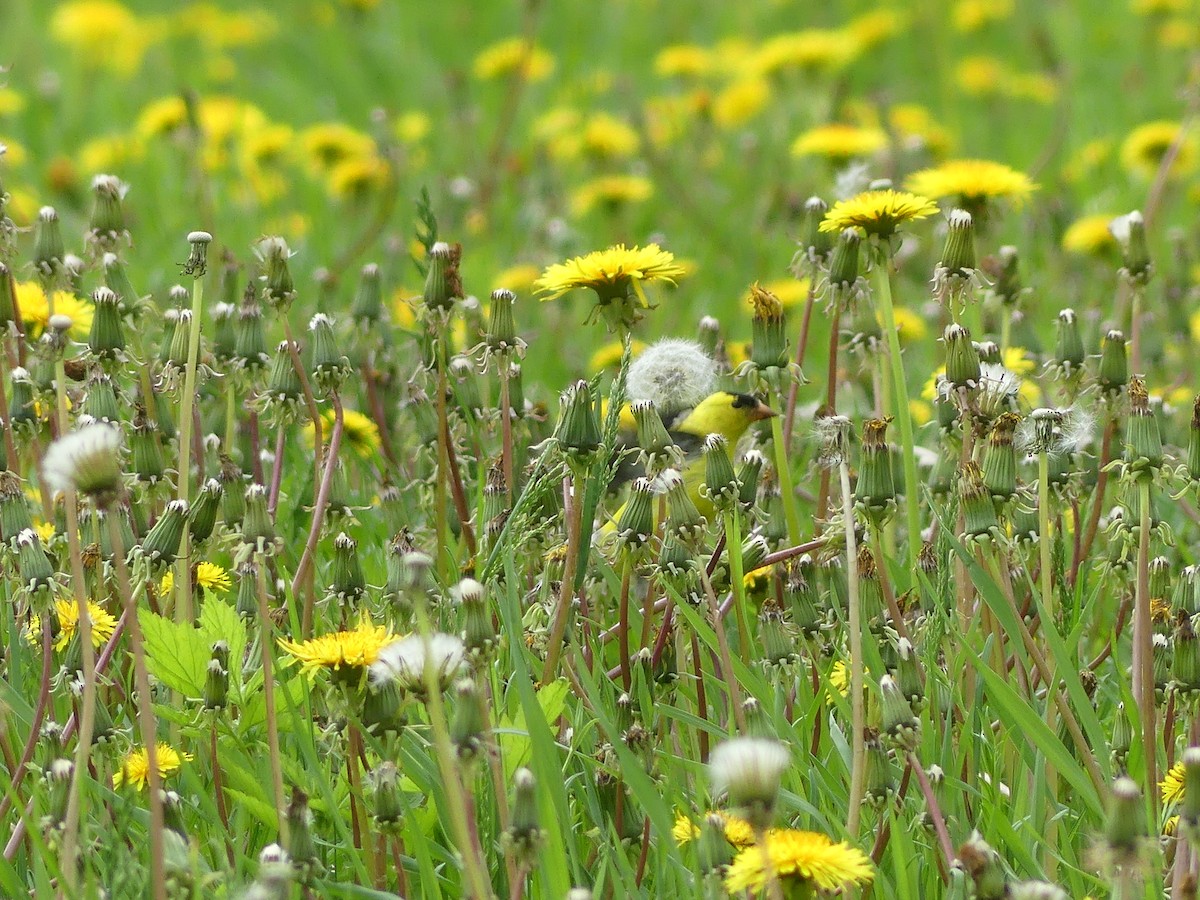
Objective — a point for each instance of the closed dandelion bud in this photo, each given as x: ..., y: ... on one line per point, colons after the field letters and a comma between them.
x: 7, y: 309
x: 989, y: 353
x: 100, y: 402
x: 1193, y: 447
x: 1068, y: 344
x: 1122, y: 736
x: 347, y: 583
x: 224, y: 333
x: 163, y: 417
x: 1162, y: 664
x: 329, y: 367
x: 37, y: 574
x: 58, y: 777
x: 1159, y: 570
x: 869, y: 590
x: 769, y: 345
x: 1000, y: 458
x: 466, y: 386
x: 975, y: 500
x: 714, y: 853
x: 14, y: 506
x: 479, y: 633
x: 172, y: 806
x: 387, y: 806
x: 233, y: 497
x: 1007, y: 275
x: 800, y: 592
x: 958, y: 256
x: 382, y: 706
x: 815, y: 244
x: 161, y: 544
x: 677, y: 558
x: 1189, y: 810
x: 1114, y: 363
x: 775, y: 527
x: 247, y: 597
x: 899, y: 724
x: 635, y: 525
x: 204, y: 511
x: 1185, y: 665
x: 367, y: 308
x: 524, y: 836
x: 985, y: 867
x: 48, y: 248
x: 880, y: 777
x: 720, y: 485
x: 683, y: 519
x: 750, y: 771
x: 283, y: 381
x: 1130, y: 232
x: 257, y: 528
x: 21, y: 409
x: 748, y: 476
x: 909, y: 678
x: 300, y: 844
x: 754, y: 551
x: 106, y: 338
x: 843, y: 267
x: 777, y: 646
x: 1143, y: 440
x: 579, y: 424
x: 124, y: 530
x: 279, y: 290
x: 442, y: 282
x: 657, y: 448
x: 250, y: 339
x: 516, y: 390
x: 216, y: 685
x: 708, y: 335
x: 876, y: 488
x: 1126, y: 829
x: 107, y: 226
x: 962, y: 359
x: 468, y: 726
x: 117, y: 280
x: 170, y: 324
x: 500, y: 335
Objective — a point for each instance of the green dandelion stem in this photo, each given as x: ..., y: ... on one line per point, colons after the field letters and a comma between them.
x: 623, y: 620
x: 786, y: 487
x: 858, y: 752
x: 566, y: 592
x: 1047, y: 565
x: 1143, y: 674
x: 883, y: 291
x: 731, y: 683
x: 314, y: 532
x: 737, y: 575
x: 267, y: 638
x: 230, y: 418
x: 183, y: 569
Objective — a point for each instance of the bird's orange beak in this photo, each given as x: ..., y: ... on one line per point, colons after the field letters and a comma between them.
x: 762, y: 411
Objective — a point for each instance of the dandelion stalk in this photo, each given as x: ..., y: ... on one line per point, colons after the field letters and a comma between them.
x: 574, y: 501
x: 318, y: 519
x: 737, y: 575
x: 267, y: 640
x: 883, y: 292
x: 858, y: 748
x: 1143, y: 636
x: 786, y: 488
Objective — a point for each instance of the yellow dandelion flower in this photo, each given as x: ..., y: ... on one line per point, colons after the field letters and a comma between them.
x: 873, y: 28
x: 1158, y: 7
x: 799, y: 856
x: 839, y: 142
x: 358, y: 177
x: 687, y: 60
x: 351, y: 650
x: 790, y: 291
x: 972, y: 15
x: 812, y: 50
x: 839, y: 678
x: 11, y: 101
x: 610, y: 191
x: 360, y: 434
x: 915, y: 128
x: 114, y: 151
x: 208, y: 575
x: 1170, y: 826
x: 1018, y: 361
x: 67, y: 613
x: 135, y: 768
x: 1172, y: 785
x: 104, y: 34
x: 921, y: 412
x: 740, y: 101
x: 607, y: 137
x: 516, y: 278
x: 611, y: 273
x: 1035, y: 86
x: 45, y: 531
x: 980, y: 76
x: 554, y: 122
x: 738, y: 831
x: 910, y: 325
x: 161, y: 117
x: 35, y: 309
x: 609, y: 356
x: 1089, y: 236
x: 1087, y: 159
x: 1144, y: 149
x: 513, y: 57
x: 412, y: 127
x: 972, y: 183
x: 1179, y: 33
x: 220, y: 29
x: 327, y: 144
x: 877, y: 212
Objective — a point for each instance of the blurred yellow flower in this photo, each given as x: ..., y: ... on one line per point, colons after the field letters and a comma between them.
x: 607, y: 137
x: 915, y: 128
x: 412, y: 127
x: 1089, y: 235
x: 135, y: 768
x: 609, y: 356
x: 219, y: 28
x: 972, y: 15
x: 972, y: 183
x: 839, y: 142
x: 1158, y: 7
x: 208, y: 576
x: 516, y: 278
x: 910, y: 325
x: 873, y: 28
x: 514, y: 56
x: 35, y: 309
x: 360, y: 434
x: 980, y: 75
x: 610, y: 191
x: 790, y: 291
x: 114, y: 151
x: 329, y: 143
x: 1144, y: 149
x: 358, y: 177
x: 11, y: 101
x: 684, y: 60
x: 740, y: 101
x: 104, y: 34
x: 66, y: 612
x: 1087, y: 159
x: 812, y: 50
x: 13, y: 154
x: 161, y: 117
x: 1172, y: 785
x: 738, y: 831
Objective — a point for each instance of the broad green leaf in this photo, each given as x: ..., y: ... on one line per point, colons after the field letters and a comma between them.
x: 515, y: 745
x: 176, y: 654
x: 219, y: 621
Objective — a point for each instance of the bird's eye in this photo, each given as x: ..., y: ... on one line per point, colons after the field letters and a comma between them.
x: 742, y: 401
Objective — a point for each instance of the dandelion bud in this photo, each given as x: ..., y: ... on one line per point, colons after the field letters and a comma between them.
x: 279, y: 290
x: 479, y: 633
x: 708, y: 335
x: 579, y: 424
x: 899, y: 724
x: 815, y: 244
x: 677, y: 559
x: 975, y: 500
x: 1114, y: 363
x: 1190, y: 809
x: 258, y: 530
x: 880, y: 777
x: 224, y: 333
x: 1143, y: 443
x: 37, y: 573
x: 466, y: 386
x: 468, y: 727
x: 7, y: 310
x: 247, y: 587
x: 283, y: 381
x: 1185, y: 663
x: 1122, y: 737
x: 1159, y: 570
x: 106, y: 339
x: 216, y: 685
x: 367, y: 308
x: 876, y: 489
x: 204, y: 511
x: 382, y: 707
x: 1193, y: 447
x: 1068, y: 347
x: 800, y: 592
x: 117, y: 280
x: 778, y: 648
x: 1006, y: 275
x: 500, y: 336
x: 329, y: 367
x: 21, y: 409
x: 1130, y: 232
x: 750, y: 770
x: 250, y: 339
x: 58, y: 777
x: 347, y: 583
x: 683, y: 519
x: 1000, y: 458
x: 714, y: 853
x: 442, y: 282
x: 48, y: 248
x: 748, y: 476
x: 985, y: 867
x: 754, y: 551
x: 962, y: 359
x: 658, y: 448
x: 161, y: 544
x: 233, y: 497
x: 1162, y: 664
x: 769, y: 344
x: 14, y: 506
x: 958, y: 256
x: 387, y: 805
x: 635, y: 525
x: 843, y: 267
x: 524, y: 836
x: 300, y: 844
x: 1126, y: 827
x: 720, y: 485
x: 989, y: 353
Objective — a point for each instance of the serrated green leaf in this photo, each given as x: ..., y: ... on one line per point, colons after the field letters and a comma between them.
x: 176, y: 653
x: 515, y: 745
x: 219, y: 621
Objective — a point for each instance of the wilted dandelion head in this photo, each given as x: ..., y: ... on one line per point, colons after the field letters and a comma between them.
x: 673, y: 373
